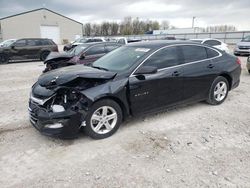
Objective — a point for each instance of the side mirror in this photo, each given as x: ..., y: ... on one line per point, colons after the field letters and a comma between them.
x: 13, y: 47
x: 82, y: 56
x: 146, y: 70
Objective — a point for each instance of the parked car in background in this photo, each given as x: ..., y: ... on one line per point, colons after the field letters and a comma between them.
x: 248, y: 64
x: 82, y: 41
x: 134, y: 79
x: 213, y: 42
x: 27, y: 48
x: 243, y: 47
x: 7, y: 42
x: 82, y: 54
x: 124, y: 40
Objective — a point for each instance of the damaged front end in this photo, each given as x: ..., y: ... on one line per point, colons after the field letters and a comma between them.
x: 59, y: 108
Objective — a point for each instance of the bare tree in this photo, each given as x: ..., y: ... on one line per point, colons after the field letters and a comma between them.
x: 165, y: 25
x: 87, y: 29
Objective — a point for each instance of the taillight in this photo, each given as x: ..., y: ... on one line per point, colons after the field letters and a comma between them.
x: 238, y: 61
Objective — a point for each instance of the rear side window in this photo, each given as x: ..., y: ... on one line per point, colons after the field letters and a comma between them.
x: 121, y: 41
x: 193, y: 53
x: 47, y: 42
x: 99, y: 49
x: 211, y: 53
x: 164, y: 58
x: 212, y: 42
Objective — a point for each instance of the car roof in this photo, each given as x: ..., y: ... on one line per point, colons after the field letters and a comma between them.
x: 95, y: 43
x: 33, y: 39
x: 158, y: 43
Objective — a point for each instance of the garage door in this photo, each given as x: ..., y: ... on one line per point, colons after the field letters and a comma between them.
x: 51, y: 32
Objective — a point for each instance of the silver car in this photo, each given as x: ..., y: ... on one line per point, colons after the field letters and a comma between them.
x: 243, y: 47
x: 248, y: 64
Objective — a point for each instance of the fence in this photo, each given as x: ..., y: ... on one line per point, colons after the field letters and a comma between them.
x: 227, y: 37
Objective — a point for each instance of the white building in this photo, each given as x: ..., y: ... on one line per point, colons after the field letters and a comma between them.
x: 40, y: 23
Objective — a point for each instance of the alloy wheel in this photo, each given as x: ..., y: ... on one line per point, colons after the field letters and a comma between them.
x: 220, y: 91
x: 103, y: 120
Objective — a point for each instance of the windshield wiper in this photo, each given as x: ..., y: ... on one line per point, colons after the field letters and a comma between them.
x: 100, y: 68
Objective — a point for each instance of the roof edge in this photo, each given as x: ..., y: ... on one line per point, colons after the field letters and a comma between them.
x: 38, y: 10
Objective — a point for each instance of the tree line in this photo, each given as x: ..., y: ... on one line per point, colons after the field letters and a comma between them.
x: 135, y: 26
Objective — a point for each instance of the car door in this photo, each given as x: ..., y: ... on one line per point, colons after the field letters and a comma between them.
x: 199, y: 71
x: 18, y: 50
x: 33, y: 48
x: 94, y: 53
x: 163, y: 88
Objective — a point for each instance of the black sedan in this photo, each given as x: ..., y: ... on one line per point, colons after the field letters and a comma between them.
x: 134, y: 79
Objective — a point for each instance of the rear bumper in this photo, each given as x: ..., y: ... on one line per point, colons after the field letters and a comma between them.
x: 42, y: 120
x: 236, y: 77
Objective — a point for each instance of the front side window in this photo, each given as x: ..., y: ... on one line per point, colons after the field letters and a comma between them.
x: 164, y: 58
x: 212, y: 42
x: 96, y: 50
x: 193, y: 53
x: 32, y: 42
x: 20, y: 43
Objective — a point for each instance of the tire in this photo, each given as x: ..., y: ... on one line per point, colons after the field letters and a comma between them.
x: 44, y: 55
x: 218, y: 91
x: 96, y: 112
x: 4, y: 59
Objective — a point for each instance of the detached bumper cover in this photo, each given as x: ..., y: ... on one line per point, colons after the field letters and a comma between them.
x: 40, y: 118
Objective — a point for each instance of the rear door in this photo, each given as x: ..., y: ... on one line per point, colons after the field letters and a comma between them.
x: 33, y: 48
x: 199, y: 71
x: 164, y: 88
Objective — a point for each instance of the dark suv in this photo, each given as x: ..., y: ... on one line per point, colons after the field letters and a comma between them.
x: 28, y: 48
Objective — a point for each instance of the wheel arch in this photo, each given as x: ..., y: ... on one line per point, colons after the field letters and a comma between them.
x: 229, y: 79
x: 125, y: 110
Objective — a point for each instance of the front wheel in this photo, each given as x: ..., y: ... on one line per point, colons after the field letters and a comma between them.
x: 218, y: 91
x: 4, y: 59
x: 103, y: 119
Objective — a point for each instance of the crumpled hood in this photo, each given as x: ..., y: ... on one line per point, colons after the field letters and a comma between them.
x: 243, y: 43
x: 55, y: 55
x: 64, y: 75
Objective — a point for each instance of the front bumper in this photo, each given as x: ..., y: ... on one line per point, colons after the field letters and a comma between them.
x: 238, y: 51
x: 41, y: 119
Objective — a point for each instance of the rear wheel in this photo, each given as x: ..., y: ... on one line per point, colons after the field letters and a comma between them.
x: 218, y: 91
x: 4, y: 59
x: 44, y: 55
x: 103, y: 119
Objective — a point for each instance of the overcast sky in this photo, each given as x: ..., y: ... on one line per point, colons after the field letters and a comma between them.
x: 178, y: 12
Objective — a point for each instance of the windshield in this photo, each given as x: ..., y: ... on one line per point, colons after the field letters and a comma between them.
x: 121, y: 59
x: 7, y: 43
x: 78, y: 50
x: 246, y: 39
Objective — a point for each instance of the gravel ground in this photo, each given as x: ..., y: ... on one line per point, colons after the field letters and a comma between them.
x: 191, y: 146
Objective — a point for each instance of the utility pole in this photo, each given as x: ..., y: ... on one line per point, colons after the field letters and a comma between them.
x: 193, y: 21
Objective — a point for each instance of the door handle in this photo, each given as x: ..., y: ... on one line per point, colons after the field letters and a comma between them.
x: 210, y: 66
x: 175, y: 73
